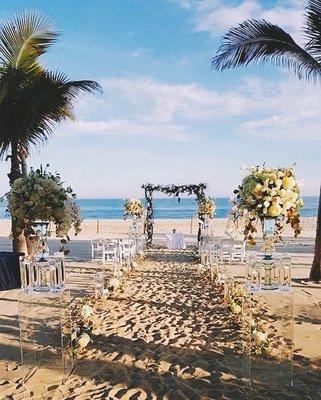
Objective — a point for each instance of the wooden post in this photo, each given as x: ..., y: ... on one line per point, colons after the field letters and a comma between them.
x: 97, y: 227
x: 191, y: 231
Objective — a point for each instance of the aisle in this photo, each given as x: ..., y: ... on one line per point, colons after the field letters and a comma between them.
x: 163, y: 336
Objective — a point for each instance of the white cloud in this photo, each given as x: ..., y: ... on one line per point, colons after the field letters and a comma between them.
x: 284, y: 129
x: 123, y: 127
x: 216, y: 16
x: 290, y: 111
x: 145, y: 107
x: 163, y: 102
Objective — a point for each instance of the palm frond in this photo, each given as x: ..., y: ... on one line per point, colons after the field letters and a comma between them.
x: 24, y: 38
x: 313, y: 28
x: 30, y: 108
x: 261, y: 41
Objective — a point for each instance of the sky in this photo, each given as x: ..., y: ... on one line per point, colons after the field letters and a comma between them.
x: 164, y: 116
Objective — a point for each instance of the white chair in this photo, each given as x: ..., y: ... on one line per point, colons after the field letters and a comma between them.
x: 226, y: 250
x: 110, y: 252
x: 127, y: 250
x: 238, y: 251
x: 96, y: 249
x: 215, y: 251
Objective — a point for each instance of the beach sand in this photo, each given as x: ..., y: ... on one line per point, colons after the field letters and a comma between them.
x: 110, y: 227
x: 165, y: 335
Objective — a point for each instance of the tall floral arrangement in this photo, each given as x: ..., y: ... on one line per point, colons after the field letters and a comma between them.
x: 268, y: 192
x: 41, y: 195
x: 133, y: 207
x: 206, y: 207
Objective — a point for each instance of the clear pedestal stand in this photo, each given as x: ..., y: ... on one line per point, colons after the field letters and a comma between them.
x: 45, y: 334
x: 268, y: 322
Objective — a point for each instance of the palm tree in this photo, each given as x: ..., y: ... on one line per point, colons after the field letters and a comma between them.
x: 32, y: 99
x: 261, y: 41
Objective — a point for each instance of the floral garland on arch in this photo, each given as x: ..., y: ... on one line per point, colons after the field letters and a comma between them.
x: 41, y: 195
x: 172, y: 190
x: 133, y: 207
x: 206, y: 207
x: 268, y: 192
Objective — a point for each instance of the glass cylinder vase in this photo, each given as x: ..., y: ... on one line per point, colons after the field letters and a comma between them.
x: 41, y: 231
x: 268, y: 228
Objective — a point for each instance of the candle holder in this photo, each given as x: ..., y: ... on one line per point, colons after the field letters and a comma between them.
x: 27, y: 274
x: 264, y: 272
x: 43, y: 276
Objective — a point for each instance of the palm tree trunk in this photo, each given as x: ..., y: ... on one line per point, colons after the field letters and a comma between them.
x: 315, y: 273
x: 24, y: 168
x: 18, y: 238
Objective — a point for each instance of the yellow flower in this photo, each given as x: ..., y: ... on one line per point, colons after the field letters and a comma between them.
x: 235, y: 308
x: 288, y: 182
x: 274, y: 210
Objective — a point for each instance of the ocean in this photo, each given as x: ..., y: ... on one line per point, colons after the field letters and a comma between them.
x: 164, y: 208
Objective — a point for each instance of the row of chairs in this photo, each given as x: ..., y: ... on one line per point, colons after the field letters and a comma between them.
x: 114, y: 251
x: 225, y: 250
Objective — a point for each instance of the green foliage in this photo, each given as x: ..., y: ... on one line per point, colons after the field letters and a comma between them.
x: 264, y: 42
x: 41, y: 196
x: 32, y: 98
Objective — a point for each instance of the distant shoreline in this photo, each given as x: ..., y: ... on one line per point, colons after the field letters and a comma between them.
x: 164, y: 208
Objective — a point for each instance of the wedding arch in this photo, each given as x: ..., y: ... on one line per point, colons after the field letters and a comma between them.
x: 172, y: 190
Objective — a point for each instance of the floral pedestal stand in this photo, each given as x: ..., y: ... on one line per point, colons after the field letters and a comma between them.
x: 268, y: 338
x: 268, y: 252
x: 45, y: 333
x: 268, y: 326
x: 135, y: 228
x: 205, y: 226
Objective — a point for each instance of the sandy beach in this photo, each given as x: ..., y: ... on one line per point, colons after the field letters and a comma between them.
x: 160, y: 214
x: 92, y: 228
x: 166, y: 334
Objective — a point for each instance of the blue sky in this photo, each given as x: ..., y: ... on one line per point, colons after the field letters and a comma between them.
x: 164, y: 116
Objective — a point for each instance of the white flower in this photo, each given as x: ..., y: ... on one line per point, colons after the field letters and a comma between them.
x: 86, y: 311
x: 259, y: 336
x: 83, y: 341
x: 74, y: 334
x: 114, y: 283
x: 251, y: 322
